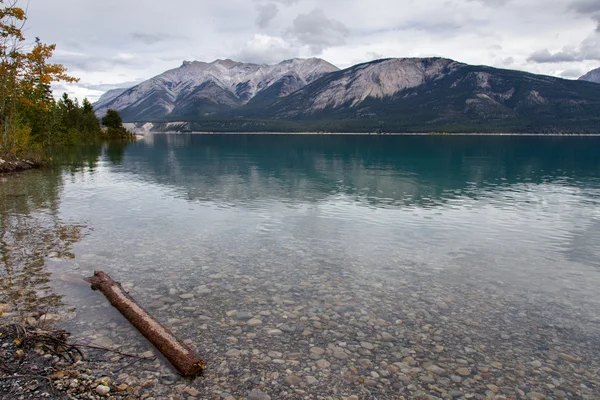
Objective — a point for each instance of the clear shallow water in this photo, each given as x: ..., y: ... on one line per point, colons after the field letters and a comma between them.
x: 524, y: 210
x: 498, y: 234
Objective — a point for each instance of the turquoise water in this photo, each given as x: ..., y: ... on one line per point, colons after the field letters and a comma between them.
x: 481, y: 234
x: 524, y: 210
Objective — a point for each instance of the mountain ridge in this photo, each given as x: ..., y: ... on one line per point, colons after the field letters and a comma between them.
x: 395, y: 94
x: 220, y: 84
x: 592, y: 76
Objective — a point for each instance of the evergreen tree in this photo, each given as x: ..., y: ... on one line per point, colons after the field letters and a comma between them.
x: 112, y: 119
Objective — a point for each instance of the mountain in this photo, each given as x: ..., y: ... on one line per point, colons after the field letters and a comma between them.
x: 440, y: 94
x: 199, y: 89
x: 592, y: 76
x: 109, y: 96
x: 390, y: 95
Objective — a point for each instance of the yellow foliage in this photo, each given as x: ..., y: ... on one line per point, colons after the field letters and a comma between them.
x: 25, y: 78
x: 22, y: 139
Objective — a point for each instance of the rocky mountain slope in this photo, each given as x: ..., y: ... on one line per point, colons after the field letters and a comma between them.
x: 109, y: 96
x: 391, y: 95
x: 592, y: 76
x: 198, y: 89
x: 441, y: 94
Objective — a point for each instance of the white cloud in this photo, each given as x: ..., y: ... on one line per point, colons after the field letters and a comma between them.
x: 316, y: 30
x: 266, y: 13
x: 267, y: 49
x: 104, y: 47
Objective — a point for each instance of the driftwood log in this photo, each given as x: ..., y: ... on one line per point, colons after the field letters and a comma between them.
x: 179, y: 354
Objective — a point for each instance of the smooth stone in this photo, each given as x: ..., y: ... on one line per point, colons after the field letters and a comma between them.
x: 463, y: 371
x: 286, y: 328
x: 569, y: 358
x: 102, y: 390
x: 254, y: 322
x: 323, y: 364
x: 156, y: 304
x: 233, y: 353
x: 186, y: 296
x: 243, y: 315
x: 191, y: 391
x: 436, y: 370
x: 273, y: 332
x: 316, y: 350
x: 493, y: 388
x: 536, y: 396
x: 50, y: 318
x: 293, y: 380
x: 367, y: 345
x: 103, y: 341
x: 256, y: 394
x: 535, y: 364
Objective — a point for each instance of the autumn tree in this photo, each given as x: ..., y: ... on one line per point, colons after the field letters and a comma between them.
x: 25, y: 79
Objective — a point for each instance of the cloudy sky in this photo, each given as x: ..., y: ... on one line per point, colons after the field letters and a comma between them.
x: 116, y: 43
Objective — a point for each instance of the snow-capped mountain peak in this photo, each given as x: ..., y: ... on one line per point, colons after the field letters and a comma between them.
x: 223, y: 83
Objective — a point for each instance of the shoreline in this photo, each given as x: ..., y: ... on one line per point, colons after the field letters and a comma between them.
x: 12, y: 166
x: 142, y: 135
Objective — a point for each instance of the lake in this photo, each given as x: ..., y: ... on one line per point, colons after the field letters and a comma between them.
x: 316, y: 266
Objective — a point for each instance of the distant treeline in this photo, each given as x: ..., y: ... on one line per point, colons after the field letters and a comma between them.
x: 391, y: 125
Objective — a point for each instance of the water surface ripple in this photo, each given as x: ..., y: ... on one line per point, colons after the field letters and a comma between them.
x: 459, y: 248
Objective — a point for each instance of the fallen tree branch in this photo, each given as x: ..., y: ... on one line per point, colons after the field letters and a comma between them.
x: 179, y: 354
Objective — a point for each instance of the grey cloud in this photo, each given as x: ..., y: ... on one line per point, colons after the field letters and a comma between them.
x: 95, y: 63
x: 266, y: 49
x: 318, y: 31
x: 150, y: 38
x: 284, y: 2
x: 459, y: 29
x: 491, y: 3
x: 431, y: 27
x: 589, y: 50
x: 571, y: 73
x: 585, y: 7
x: 371, y: 55
x: 103, y: 87
x: 266, y: 13
x: 544, y: 56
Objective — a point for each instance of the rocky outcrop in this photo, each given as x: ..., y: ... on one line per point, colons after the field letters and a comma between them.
x: 16, y: 165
